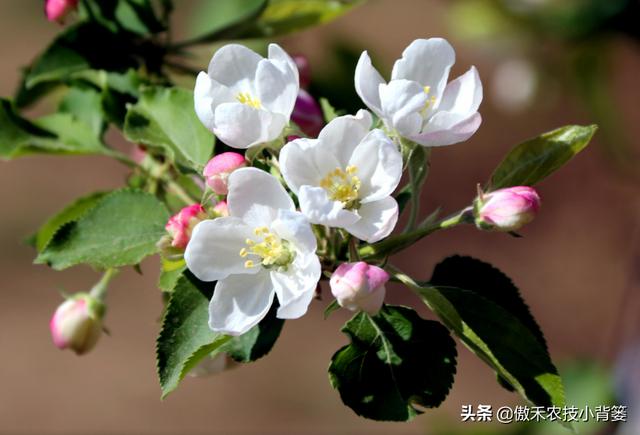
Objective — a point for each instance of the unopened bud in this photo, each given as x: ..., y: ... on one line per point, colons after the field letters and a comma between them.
x: 77, y: 323
x: 181, y: 225
x: 359, y: 286
x: 506, y: 209
x: 57, y: 10
x: 217, y: 171
x: 221, y: 209
x: 307, y: 114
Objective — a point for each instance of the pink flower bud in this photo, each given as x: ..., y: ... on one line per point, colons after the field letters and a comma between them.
x: 57, y: 10
x: 304, y: 70
x: 307, y: 114
x: 181, y: 224
x: 77, y: 323
x: 507, y: 209
x: 139, y: 154
x: 219, y: 168
x: 221, y: 209
x: 359, y: 286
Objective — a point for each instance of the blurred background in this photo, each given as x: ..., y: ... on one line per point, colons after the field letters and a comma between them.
x: 543, y: 64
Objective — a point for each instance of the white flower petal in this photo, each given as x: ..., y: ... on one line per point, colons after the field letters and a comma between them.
x: 464, y: 94
x: 203, y: 102
x: 446, y: 128
x: 213, y: 253
x: 277, y: 90
x: 367, y: 81
x: 239, y: 302
x: 293, y: 227
x: 208, y: 94
x: 241, y: 126
x: 428, y: 62
x: 402, y: 100
x: 304, y: 161
x: 251, y: 187
x: 319, y: 209
x: 340, y: 136
x: 379, y: 166
x: 296, y: 287
x: 234, y: 65
x: 278, y: 54
x: 377, y: 220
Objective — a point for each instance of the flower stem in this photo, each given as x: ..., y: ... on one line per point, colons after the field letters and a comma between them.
x: 399, y: 242
x: 99, y: 290
x: 177, y: 190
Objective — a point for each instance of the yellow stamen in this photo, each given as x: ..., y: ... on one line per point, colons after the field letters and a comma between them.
x: 342, y: 185
x: 431, y: 101
x: 246, y: 98
x: 272, y: 251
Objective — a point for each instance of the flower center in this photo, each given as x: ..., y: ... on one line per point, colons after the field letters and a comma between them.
x: 431, y: 101
x: 342, y: 185
x: 272, y: 250
x: 246, y: 98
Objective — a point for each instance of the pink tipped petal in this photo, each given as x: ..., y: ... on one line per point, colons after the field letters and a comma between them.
x: 377, y: 277
x: 508, y: 209
x: 359, y: 286
x: 181, y: 224
x: 221, y: 209
x: 218, y: 169
x: 57, y: 10
x: 464, y: 94
x: 77, y: 324
x: 446, y: 128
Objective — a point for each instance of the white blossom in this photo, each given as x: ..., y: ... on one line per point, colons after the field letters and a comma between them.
x: 345, y: 177
x: 417, y: 102
x: 245, y: 99
x: 264, y: 248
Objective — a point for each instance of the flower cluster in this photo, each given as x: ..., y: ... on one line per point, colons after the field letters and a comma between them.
x: 343, y: 175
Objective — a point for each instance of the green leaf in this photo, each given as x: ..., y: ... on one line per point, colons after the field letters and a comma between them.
x: 86, y: 46
x: 258, y: 341
x: 328, y: 111
x: 70, y: 213
x: 395, y: 361
x: 286, y: 16
x: 170, y: 273
x: 532, y: 161
x: 77, y: 48
x: 120, y: 230
x: 267, y: 19
x: 333, y: 306
x: 58, y: 133
x: 117, y: 90
x: 213, y: 17
x: 484, y: 309
x: 185, y: 338
x: 165, y: 117
x: 86, y: 105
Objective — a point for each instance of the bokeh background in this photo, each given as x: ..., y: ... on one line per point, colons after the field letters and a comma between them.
x: 577, y: 265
